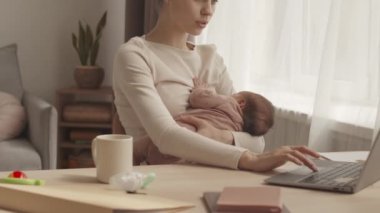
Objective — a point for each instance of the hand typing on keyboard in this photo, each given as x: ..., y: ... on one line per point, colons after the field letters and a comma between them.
x: 273, y: 159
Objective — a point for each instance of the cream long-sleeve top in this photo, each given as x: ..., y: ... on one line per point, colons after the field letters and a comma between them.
x: 152, y: 83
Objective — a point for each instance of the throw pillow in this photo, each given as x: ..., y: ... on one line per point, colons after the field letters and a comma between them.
x: 12, y: 116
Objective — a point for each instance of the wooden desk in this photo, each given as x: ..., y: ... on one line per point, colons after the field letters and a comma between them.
x: 188, y: 182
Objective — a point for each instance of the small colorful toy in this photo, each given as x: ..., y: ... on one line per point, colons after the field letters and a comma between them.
x: 19, y: 177
x: 17, y: 174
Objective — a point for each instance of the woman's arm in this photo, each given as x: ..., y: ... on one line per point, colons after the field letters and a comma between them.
x: 253, y: 161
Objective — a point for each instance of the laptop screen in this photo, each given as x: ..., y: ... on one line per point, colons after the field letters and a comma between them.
x: 371, y: 172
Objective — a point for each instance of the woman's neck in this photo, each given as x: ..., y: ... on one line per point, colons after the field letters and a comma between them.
x: 166, y: 35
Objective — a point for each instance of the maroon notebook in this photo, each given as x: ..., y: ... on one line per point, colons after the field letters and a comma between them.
x: 261, y: 199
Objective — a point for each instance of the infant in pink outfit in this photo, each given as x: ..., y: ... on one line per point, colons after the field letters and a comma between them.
x: 242, y: 111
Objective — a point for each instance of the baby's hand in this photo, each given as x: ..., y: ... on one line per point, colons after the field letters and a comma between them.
x: 199, y: 84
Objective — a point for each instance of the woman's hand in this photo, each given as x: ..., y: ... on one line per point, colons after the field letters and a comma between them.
x: 199, y: 84
x: 270, y: 160
x: 204, y: 128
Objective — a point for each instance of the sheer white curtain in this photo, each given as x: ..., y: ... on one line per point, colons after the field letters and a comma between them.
x: 316, y: 57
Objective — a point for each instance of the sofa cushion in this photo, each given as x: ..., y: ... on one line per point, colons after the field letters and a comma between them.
x: 12, y: 116
x: 18, y: 154
x: 10, y: 80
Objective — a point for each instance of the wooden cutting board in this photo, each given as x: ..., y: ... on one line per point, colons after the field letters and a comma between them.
x: 77, y: 192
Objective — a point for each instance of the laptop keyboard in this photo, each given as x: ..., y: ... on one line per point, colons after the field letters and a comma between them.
x: 336, y: 176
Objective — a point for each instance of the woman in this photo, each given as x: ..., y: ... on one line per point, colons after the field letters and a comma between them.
x: 152, y: 81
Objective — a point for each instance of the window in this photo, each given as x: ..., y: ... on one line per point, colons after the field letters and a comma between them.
x: 304, y: 53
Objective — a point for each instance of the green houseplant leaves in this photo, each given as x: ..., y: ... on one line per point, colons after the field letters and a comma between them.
x: 86, y: 43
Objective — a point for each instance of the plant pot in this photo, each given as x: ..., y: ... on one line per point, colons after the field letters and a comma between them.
x: 89, y: 77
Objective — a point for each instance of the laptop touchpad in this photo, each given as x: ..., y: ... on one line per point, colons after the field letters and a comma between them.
x: 306, y: 171
x: 301, y: 171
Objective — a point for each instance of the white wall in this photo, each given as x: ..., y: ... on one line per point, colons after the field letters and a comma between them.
x: 42, y: 30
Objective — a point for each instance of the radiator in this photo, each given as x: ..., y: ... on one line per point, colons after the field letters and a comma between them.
x: 293, y: 128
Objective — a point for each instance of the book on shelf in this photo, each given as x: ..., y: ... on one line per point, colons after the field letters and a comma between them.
x: 83, y: 159
x: 87, y: 112
x: 84, y: 134
x: 79, y: 142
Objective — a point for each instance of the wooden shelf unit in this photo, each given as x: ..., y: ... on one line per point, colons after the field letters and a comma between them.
x: 67, y: 148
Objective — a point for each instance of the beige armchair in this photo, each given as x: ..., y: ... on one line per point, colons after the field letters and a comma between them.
x: 36, y: 148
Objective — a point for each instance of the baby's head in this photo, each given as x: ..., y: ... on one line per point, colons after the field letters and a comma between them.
x: 258, y: 112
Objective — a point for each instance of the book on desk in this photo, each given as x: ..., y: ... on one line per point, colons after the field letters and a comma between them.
x: 261, y: 199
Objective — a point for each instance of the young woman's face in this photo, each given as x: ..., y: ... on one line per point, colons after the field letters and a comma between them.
x: 191, y: 16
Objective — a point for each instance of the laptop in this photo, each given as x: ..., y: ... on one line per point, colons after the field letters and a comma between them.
x: 336, y: 176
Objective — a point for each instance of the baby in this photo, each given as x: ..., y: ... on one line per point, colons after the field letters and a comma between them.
x: 242, y: 111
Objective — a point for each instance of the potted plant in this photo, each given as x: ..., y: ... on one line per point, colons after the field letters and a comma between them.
x: 88, y: 75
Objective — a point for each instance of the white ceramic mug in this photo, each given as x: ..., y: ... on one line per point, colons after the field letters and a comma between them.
x: 112, y: 154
